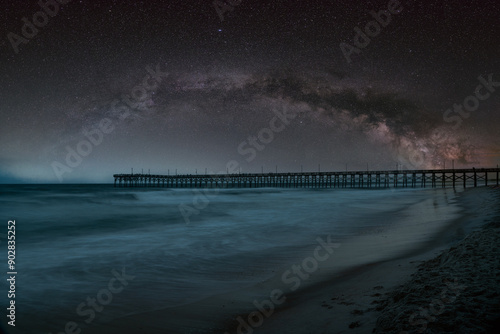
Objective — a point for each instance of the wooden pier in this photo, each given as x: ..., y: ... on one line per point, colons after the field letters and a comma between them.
x: 356, y: 179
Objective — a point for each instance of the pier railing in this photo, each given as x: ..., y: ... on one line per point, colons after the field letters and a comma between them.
x: 350, y: 179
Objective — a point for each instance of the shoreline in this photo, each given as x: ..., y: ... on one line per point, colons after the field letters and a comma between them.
x: 344, y: 299
x: 455, y: 292
x: 353, y: 302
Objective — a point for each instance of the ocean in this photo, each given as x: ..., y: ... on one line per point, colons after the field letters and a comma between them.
x: 90, y: 254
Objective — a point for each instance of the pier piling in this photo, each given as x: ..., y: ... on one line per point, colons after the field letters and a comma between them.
x: 348, y: 179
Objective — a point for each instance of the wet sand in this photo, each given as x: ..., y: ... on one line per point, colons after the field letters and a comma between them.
x: 383, y: 296
x: 370, y: 282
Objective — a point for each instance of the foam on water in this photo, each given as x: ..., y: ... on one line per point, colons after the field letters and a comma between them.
x: 70, y: 237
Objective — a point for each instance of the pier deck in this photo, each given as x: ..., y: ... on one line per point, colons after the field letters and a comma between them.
x: 350, y: 179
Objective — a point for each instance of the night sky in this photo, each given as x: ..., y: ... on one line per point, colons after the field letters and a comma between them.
x: 100, y: 87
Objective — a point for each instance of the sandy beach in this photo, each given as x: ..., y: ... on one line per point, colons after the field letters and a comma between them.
x: 457, y: 291
x: 390, y: 281
x: 250, y: 167
x: 451, y: 286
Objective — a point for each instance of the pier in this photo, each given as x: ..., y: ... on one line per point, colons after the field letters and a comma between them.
x: 433, y: 178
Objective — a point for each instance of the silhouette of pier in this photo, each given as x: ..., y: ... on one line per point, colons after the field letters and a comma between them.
x: 349, y: 179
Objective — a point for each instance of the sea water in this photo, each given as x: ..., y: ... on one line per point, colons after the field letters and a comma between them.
x: 173, y: 246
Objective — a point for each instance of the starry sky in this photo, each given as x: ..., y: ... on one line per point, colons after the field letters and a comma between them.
x: 100, y: 87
